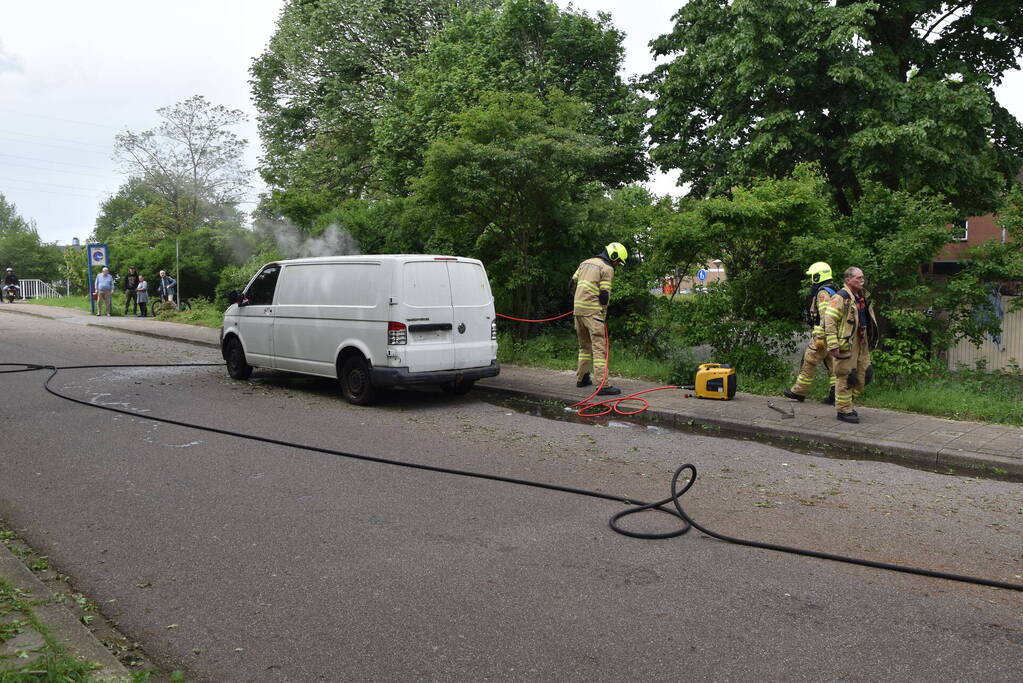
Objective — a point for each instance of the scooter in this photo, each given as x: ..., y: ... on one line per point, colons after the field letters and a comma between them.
x: 11, y: 292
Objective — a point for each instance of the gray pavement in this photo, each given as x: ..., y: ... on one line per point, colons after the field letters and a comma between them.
x: 918, y: 440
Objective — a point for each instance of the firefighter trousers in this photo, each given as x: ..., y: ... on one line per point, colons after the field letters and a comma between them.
x: 816, y: 352
x: 858, y: 359
x: 590, y: 331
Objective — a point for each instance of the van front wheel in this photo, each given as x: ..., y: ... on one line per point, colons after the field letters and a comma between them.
x: 237, y: 368
x: 356, y: 386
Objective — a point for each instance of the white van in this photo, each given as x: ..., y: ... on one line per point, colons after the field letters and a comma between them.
x: 372, y: 322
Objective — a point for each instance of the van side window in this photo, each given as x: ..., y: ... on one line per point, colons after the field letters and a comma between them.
x: 261, y: 291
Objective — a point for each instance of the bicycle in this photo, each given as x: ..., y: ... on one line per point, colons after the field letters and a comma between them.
x: 169, y: 305
x: 161, y: 305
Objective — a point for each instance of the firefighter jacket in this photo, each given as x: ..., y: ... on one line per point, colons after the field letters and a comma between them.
x: 592, y: 277
x: 817, y: 306
x: 842, y: 321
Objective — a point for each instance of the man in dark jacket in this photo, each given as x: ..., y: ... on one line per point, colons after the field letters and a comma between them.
x: 131, y: 282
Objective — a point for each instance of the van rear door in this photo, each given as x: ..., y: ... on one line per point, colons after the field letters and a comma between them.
x: 473, y: 313
x: 426, y: 295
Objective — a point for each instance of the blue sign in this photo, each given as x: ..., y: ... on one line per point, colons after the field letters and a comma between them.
x: 701, y: 275
x: 98, y: 255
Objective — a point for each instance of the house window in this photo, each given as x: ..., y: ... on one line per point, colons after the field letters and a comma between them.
x: 961, y: 230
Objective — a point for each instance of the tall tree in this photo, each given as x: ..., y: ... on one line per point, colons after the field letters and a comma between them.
x: 510, y: 186
x: 21, y: 248
x: 192, y: 161
x: 318, y: 87
x: 527, y: 46
x: 134, y: 208
x: 899, y: 93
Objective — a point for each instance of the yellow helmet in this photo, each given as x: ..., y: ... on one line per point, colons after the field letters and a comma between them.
x: 616, y: 252
x: 819, y: 272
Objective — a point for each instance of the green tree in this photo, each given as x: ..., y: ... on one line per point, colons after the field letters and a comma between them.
x: 764, y: 235
x: 21, y: 248
x: 510, y: 186
x: 135, y: 224
x: 191, y: 162
x: 74, y: 271
x: 134, y: 209
x: 319, y: 85
x: 527, y: 46
x: 897, y: 93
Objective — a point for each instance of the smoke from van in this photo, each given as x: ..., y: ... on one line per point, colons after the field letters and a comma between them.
x: 293, y: 243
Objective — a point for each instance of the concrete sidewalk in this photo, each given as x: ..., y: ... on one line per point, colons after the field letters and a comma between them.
x: 908, y: 438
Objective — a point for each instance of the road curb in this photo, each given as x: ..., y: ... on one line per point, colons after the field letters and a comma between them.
x: 59, y: 621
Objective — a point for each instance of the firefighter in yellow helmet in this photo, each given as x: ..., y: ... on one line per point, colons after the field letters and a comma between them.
x: 850, y: 328
x: 822, y: 288
x: 591, y: 285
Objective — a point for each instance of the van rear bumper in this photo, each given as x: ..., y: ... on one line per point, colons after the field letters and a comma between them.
x: 384, y: 378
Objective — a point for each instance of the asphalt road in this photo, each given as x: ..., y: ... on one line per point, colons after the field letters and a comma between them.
x: 240, y: 561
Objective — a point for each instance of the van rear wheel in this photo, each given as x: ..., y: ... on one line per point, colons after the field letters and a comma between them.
x: 237, y: 368
x: 356, y: 386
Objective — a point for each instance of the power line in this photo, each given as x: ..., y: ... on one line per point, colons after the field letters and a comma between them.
x: 80, y: 150
x: 55, y: 170
x: 55, y: 118
x: 48, y: 161
x: 54, y: 193
x: 50, y: 137
x: 40, y: 182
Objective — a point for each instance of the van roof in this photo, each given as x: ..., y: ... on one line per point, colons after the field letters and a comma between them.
x: 375, y: 257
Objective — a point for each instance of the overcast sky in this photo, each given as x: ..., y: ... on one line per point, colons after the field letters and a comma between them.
x: 73, y: 74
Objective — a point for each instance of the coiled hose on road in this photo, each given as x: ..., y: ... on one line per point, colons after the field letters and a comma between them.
x: 638, y: 506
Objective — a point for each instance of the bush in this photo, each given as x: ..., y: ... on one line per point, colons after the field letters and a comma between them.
x: 201, y: 311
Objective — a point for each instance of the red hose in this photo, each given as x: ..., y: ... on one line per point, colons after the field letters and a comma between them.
x: 612, y: 405
x: 541, y: 320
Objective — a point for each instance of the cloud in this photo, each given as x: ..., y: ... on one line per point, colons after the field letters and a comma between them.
x: 9, y: 63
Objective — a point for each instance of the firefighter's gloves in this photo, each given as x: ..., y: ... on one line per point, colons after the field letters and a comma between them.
x: 604, y: 297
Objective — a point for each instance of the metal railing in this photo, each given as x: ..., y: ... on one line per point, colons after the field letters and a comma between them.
x: 35, y: 289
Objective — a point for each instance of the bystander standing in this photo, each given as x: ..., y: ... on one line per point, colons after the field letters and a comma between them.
x: 104, y: 289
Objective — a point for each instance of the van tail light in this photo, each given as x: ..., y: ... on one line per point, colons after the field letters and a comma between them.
x: 397, y: 333
x: 493, y: 330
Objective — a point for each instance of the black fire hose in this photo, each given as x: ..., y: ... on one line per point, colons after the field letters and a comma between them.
x: 677, y: 511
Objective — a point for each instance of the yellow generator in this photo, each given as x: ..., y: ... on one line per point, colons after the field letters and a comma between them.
x: 714, y: 380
